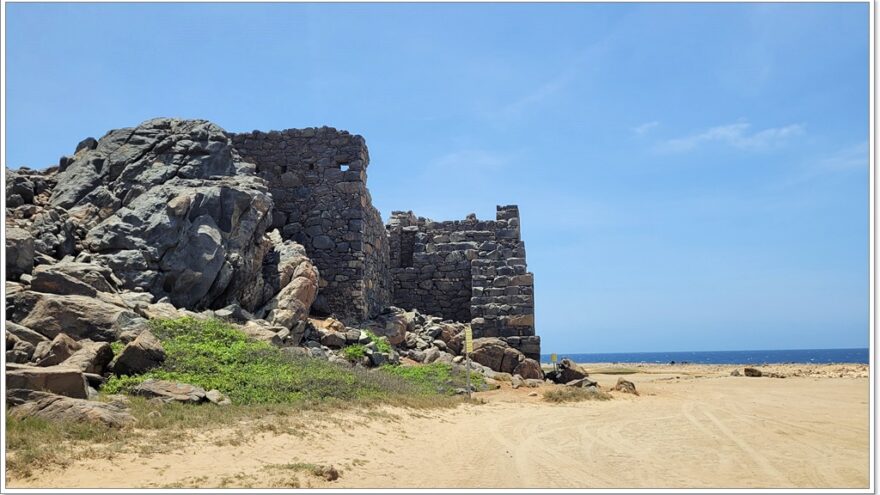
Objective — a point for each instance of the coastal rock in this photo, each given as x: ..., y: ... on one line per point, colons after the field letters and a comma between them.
x: 30, y: 403
x: 19, y: 252
x: 529, y: 369
x: 625, y: 386
x: 56, y: 351
x: 92, y: 357
x: 584, y: 382
x: 215, y: 397
x: 752, y: 372
x: 70, y: 277
x: 170, y: 391
x: 47, y: 279
x: 142, y: 354
x: 56, y: 379
x: 24, y: 333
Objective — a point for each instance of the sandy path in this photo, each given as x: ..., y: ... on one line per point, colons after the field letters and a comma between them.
x: 681, y: 432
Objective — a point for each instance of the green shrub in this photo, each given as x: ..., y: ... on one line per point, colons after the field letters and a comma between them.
x: 116, y: 347
x: 434, y: 377
x: 354, y: 352
x: 215, y: 355
x: 382, y: 344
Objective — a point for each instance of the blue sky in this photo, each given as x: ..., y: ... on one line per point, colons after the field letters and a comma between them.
x: 690, y: 176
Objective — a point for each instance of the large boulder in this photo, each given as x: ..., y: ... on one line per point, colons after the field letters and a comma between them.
x: 56, y: 379
x: 24, y: 333
x: 45, y: 405
x: 46, y: 278
x: 55, y: 351
x: 392, y: 325
x: 167, y: 391
x: 567, y: 371
x: 529, y: 369
x: 17, y: 350
x: 298, y: 279
x: 92, y: 357
x: 496, y: 354
x: 19, y: 252
x: 453, y: 336
x: 142, y: 354
x: 80, y: 317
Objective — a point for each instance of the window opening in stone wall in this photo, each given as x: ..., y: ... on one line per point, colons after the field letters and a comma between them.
x: 407, y: 245
x: 344, y: 167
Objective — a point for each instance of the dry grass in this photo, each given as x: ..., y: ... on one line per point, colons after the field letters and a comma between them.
x: 574, y: 394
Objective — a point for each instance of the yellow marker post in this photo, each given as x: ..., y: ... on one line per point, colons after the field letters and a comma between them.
x: 553, y: 357
x: 468, y: 349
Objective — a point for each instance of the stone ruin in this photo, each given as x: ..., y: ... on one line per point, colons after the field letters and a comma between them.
x: 470, y: 271
x: 203, y: 218
x: 466, y: 270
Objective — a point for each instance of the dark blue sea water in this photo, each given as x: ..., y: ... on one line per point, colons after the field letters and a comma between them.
x: 724, y: 357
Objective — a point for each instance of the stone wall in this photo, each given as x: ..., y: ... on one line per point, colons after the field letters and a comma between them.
x: 318, y: 179
x: 466, y: 270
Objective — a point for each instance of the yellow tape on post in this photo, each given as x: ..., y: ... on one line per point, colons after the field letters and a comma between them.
x: 468, y: 340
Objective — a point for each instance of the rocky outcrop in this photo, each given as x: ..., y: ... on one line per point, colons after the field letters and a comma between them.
x: 45, y: 405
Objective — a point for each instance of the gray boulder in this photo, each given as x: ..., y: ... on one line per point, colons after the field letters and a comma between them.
x: 167, y: 391
x: 19, y: 252
x: 47, y: 279
x: 53, y: 407
x: 80, y: 317
x: 55, y: 351
x: 142, y: 354
x: 92, y: 357
x: 97, y: 277
x: 56, y: 379
x: 24, y: 333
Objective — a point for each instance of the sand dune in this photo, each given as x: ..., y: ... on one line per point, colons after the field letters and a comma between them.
x: 690, y: 427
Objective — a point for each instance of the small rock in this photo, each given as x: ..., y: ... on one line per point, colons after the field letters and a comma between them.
x: 516, y: 382
x: 625, y: 386
x: 735, y: 373
x: 751, y: 372
x: 215, y: 397
x: 329, y: 473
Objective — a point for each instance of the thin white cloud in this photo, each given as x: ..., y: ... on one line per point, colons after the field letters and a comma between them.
x: 641, y: 130
x: 736, y: 135
x: 850, y: 158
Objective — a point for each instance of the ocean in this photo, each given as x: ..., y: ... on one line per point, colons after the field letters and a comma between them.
x: 817, y: 356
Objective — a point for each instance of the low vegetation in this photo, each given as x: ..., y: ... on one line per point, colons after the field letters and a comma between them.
x: 574, y: 394
x: 215, y: 355
x: 271, y: 390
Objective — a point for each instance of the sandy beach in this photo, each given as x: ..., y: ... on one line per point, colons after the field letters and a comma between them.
x: 691, y: 426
